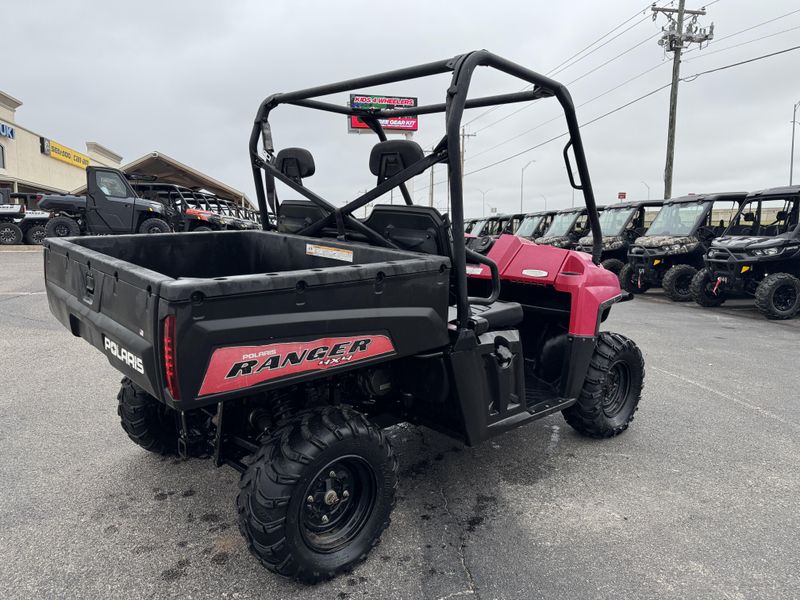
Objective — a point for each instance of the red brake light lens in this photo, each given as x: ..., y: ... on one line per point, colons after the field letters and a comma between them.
x: 170, y: 362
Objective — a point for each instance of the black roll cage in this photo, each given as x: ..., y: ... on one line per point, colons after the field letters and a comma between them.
x: 446, y: 151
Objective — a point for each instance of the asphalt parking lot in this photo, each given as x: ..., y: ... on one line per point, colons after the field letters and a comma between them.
x: 699, y: 499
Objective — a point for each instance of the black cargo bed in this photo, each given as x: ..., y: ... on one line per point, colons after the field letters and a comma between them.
x: 239, y: 288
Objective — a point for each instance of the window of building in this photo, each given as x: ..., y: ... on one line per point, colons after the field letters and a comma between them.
x: 2, y: 157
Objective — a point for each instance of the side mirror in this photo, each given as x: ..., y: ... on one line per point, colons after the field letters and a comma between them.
x: 781, y: 215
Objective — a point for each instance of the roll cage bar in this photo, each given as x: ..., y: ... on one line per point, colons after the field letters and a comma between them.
x: 446, y: 151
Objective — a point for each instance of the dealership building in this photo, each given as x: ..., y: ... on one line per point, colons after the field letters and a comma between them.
x: 33, y: 163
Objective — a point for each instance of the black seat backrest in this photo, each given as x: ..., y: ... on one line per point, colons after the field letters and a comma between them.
x: 294, y: 215
x: 295, y: 163
x: 415, y: 228
x: 388, y: 158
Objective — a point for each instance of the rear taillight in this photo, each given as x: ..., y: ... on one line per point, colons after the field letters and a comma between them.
x: 170, y: 362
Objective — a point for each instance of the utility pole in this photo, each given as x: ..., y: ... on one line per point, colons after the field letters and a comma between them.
x: 483, y: 193
x: 791, y: 155
x: 522, y: 182
x: 648, y: 189
x: 464, y: 136
x: 430, y: 186
x: 677, y: 37
x: 545, y: 201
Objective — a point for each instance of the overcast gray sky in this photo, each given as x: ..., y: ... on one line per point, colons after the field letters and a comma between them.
x: 186, y: 78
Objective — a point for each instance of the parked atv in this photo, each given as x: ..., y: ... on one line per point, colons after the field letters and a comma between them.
x: 671, y: 251
x: 284, y: 353
x: 568, y: 226
x: 757, y: 255
x: 535, y: 224
x: 621, y: 225
x: 34, y: 222
x: 109, y: 206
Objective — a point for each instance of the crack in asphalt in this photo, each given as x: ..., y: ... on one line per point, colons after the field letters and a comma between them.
x: 462, y: 538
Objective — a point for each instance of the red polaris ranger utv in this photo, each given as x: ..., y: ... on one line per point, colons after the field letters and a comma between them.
x: 285, y: 352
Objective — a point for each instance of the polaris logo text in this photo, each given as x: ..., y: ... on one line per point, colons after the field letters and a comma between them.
x: 126, y: 356
x: 243, y: 366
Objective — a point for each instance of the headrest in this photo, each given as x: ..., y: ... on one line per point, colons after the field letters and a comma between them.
x: 388, y: 158
x: 295, y: 163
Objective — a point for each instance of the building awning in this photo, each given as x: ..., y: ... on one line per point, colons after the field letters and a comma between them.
x: 169, y: 170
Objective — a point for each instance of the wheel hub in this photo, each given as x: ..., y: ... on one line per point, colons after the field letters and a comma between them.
x: 785, y: 297
x: 338, y: 502
x: 616, y: 388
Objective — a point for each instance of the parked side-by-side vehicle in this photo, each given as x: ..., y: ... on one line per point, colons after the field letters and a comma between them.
x: 672, y: 250
x: 566, y: 228
x: 621, y: 224
x: 757, y: 255
x: 285, y: 352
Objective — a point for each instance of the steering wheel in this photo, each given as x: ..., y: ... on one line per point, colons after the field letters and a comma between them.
x: 482, y: 245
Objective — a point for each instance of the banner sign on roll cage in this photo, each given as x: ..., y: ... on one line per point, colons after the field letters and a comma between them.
x: 407, y: 123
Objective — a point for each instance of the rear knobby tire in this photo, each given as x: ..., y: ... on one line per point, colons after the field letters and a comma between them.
x: 778, y: 296
x: 702, y: 289
x: 202, y: 228
x: 629, y: 280
x: 62, y: 227
x: 35, y: 235
x: 154, y: 225
x: 613, y: 264
x: 286, y: 532
x: 611, y: 390
x: 677, y: 282
x: 148, y: 422
x: 10, y: 234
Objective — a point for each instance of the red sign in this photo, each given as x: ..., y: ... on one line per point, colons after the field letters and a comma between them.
x: 408, y: 123
x: 622, y: 196
x: 238, y: 367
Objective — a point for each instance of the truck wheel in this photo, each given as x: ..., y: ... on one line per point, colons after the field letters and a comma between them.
x: 10, y: 234
x: 612, y: 389
x: 35, y: 235
x: 678, y: 282
x: 318, y: 494
x: 202, y: 228
x: 148, y: 422
x: 629, y: 281
x: 613, y: 264
x: 154, y: 225
x: 778, y: 296
x: 62, y: 227
x: 702, y: 289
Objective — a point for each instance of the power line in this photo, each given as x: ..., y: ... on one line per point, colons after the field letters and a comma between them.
x: 557, y: 69
x: 688, y: 79
x: 758, y: 39
x: 756, y: 26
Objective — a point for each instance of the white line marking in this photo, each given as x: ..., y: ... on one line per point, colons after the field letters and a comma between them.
x: 21, y: 293
x: 760, y: 410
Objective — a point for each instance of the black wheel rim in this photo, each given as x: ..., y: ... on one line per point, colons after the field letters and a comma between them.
x: 785, y: 297
x: 337, y: 503
x: 38, y: 236
x: 61, y: 230
x: 154, y: 229
x: 682, y: 284
x: 616, y: 389
x: 7, y: 235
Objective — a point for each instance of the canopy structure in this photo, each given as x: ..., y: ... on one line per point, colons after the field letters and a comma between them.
x: 169, y: 170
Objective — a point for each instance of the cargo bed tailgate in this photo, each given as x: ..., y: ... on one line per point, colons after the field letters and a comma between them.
x: 110, y: 303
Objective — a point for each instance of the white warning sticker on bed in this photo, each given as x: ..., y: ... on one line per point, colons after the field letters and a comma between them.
x: 329, y: 252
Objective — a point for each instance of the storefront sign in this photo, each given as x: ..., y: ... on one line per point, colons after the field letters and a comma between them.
x: 7, y: 131
x: 64, y: 154
x: 408, y: 123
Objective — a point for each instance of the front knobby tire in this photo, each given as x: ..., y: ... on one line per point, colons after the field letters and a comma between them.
x: 148, y: 422
x: 702, y: 289
x: 677, y: 283
x: 154, y: 225
x: 611, y: 390
x: 318, y: 494
x: 778, y: 296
